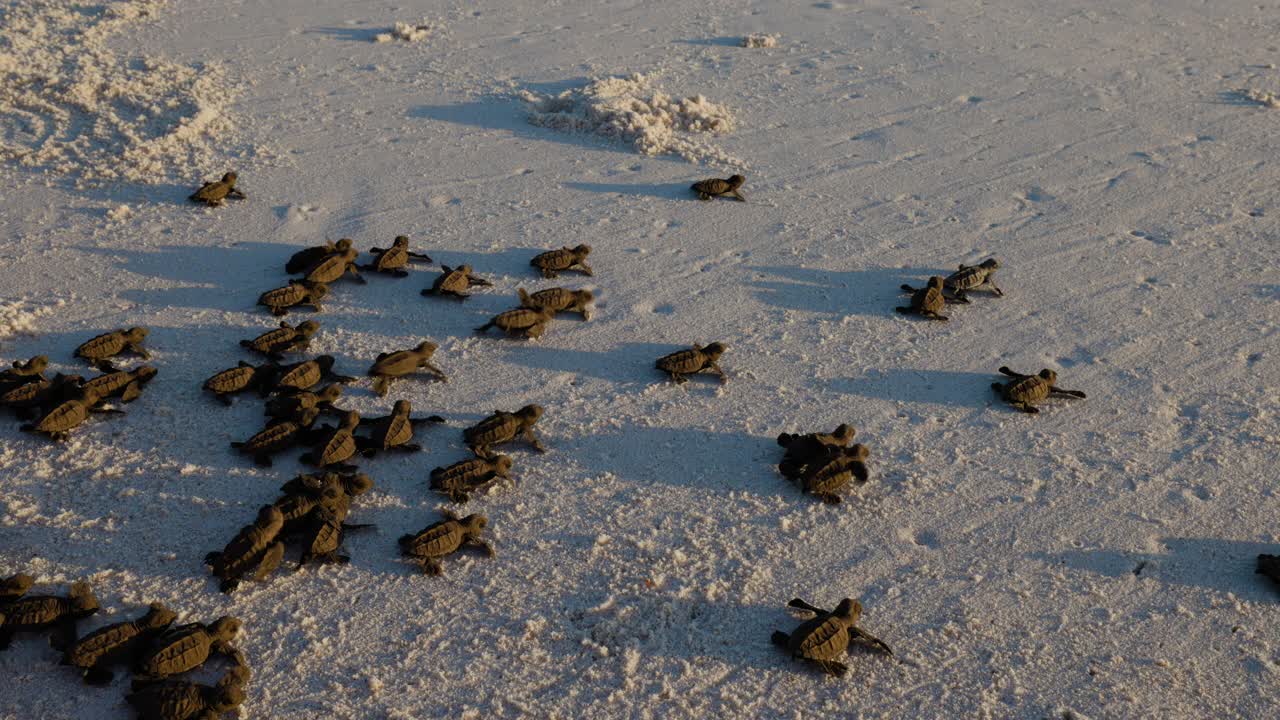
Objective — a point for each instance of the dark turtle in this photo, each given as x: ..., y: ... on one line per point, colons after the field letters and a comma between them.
x: 279, y: 301
x: 455, y: 282
x: 288, y: 405
x: 810, y: 444
x: 33, y: 613
x: 461, y: 479
x: 276, y: 437
x: 716, y: 187
x: 797, y: 466
x: 856, y: 634
x: 395, y: 259
x: 239, y: 379
x: 305, y: 493
x: 253, y: 553
x: 186, y: 647
x: 529, y: 322
x: 353, y: 484
x: 61, y: 420
x: 122, y: 384
x: 390, y: 366
x: 682, y: 363
x: 312, y: 256
x: 24, y: 399
x: 118, y: 643
x: 501, y: 427
x: 215, y: 193
x: 24, y: 372
x: 14, y: 587
x: 552, y: 262
x: 333, y: 267
x: 1027, y: 390
x: 108, y: 345
x: 283, y: 339
x: 186, y: 700
x: 927, y: 301
x: 338, y: 445
x: 393, y: 432
x: 826, y: 477
x: 1268, y: 565
x: 559, y: 300
x: 824, y: 638
x: 307, y: 374
x: 443, y: 538
x: 973, y: 277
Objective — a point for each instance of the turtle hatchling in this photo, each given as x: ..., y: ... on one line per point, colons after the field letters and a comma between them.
x: 559, y: 300
x: 215, y: 193
x: 186, y: 647
x: 283, y: 339
x: 26, y: 398
x: 400, y: 363
x: 186, y: 700
x: 552, y: 262
x: 60, y: 421
x: 394, y: 260
x: 393, y: 432
x: 443, y: 538
x: 333, y: 267
x: 856, y: 634
x: 1025, y: 391
x: 461, y: 479
x: 455, y: 282
x: 307, y: 374
x: 307, y: 258
x: 288, y: 405
x: 680, y: 364
x: 973, y: 277
x: 118, y: 643
x: 529, y: 322
x: 336, y: 446
x: 279, y: 301
x: 502, y: 427
x: 927, y: 301
x: 24, y: 372
x: 277, y: 437
x: 239, y: 379
x: 827, y: 477
x: 33, y: 613
x: 253, y: 553
x: 108, y: 345
x: 14, y: 587
x: 126, y: 385
x: 824, y: 638
x: 810, y: 444
x: 717, y: 187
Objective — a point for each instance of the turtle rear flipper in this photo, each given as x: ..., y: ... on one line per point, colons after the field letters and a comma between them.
x: 831, y: 667
x: 98, y: 676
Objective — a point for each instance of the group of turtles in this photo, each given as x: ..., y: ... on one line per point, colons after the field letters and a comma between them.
x: 160, y: 655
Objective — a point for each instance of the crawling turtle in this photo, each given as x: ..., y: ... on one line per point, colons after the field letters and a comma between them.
x: 856, y: 634
x: 108, y: 345
x: 393, y: 432
x: 973, y: 277
x: 307, y: 258
x: 333, y: 267
x: 502, y: 427
x: 530, y: 322
x: 288, y: 405
x: 443, y: 538
x: 61, y: 420
x: 455, y: 282
x: 283, y: 339
x: 461, y: 479
x: 1027, y: 390
x: 395, y: 259
x: 186, y: 647
x: 126, y: 385
x: 305, y: 493
x: 392, y: 365
x: 927, y: 301
x: 682, y: 363
x: 797, y: 466
x: 118, y: 643
x: 552, y: 262
x: 717, y: 187
x: 824, y: 638
x: 825, y: 478
x: 338, y: 445
x: 254, y: 552
x: 279, y: 301
x: 276, y: 437
x: 33, y: 613
x: 326, y: 528
x: 13, y: 588
x: 1268, y: 565
x: 186, y: 700
x: 215, y: 193
x: 26, y: 398
x: 23, y: 372
x: 559, y: 300
x: 308, y: 373
x: 239, y: 379
x: 809, y: 444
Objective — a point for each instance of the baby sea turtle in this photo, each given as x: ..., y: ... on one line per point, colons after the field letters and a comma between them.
x: 825, y: 637
x: 61, y: 420
x: 239, y: 379
x: 33, y: 613
x: 109, y: 345
x: 461, y: 479
x: 810, y: 444
x: 23, y: 372
x: 973, y: 277
x: 552, y: 262
x: 326, y: 529
x: 125, y: 385
x: 393, y: 432
x: 530, y: 322
x: 829, y: 475
x: 1268, y: 565
x: 390, y: 366
x: 305, y: 493
x: 856, y: 634
x: 333, y: 267
x: 336, y: 446
x: 283, y: 339
x: 455, y: 282
x: 443, y: 538
x: 307, y: 258
x: 680, y: 364
x: 279, y: 301
x: 215, y: 193
x: 253, y: 553
x: 289, y: 405
x: 276, y: 437
x: 502, y: 427
x: 927, y: 301
x: 1027, y: 390
x: 307, y: 374
x: 716, y: 187
x: 559, y: 300
x: 118, y: 643
x: 14, y: 587
x: 26, y: 398
x: 186, y: 647
x: 186, y: 700
x: 395, y: 259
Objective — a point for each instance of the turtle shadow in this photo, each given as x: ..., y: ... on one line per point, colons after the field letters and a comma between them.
x: 137, y: 193
x: 242, y: 266
x: 350, y: 34
x: 491, y: 266
x: 1237, y: 98
x: 667, y: 191
x: 629, y: 364
x: 1217, y: 564
x: 934, y: 387
x: 723, y: 41
x: 874, y: 291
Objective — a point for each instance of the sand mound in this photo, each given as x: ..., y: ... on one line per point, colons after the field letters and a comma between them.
x: 760, y: 40
x: 408, y: 32
x: 1261, y: 97
x: 631, y: 109
x: 70, y: 105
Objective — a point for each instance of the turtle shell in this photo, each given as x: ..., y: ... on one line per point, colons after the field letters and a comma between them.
x: 436, y: 540
x: 713, y: 186
x: 499, y: 427
x: 26, y: 394
x: 401, y: 362
x: 331, y: 268
x: 246, y: 546
x: 1028, y: 390
x: 395, y: 430
x: 929, y: 299
x: 393, y: 258
x: 462, y: 474
x: 970, y: 277
x: 326, y: 533
x: 268, y: 341
x: 169, y: 700
x: 102, y: 643
x: 518, y: 319
x: 283, y: 297
x: 341, y: 446
x: 560, y: 259
x: 295, y: 506
x: 822, y: 638
x: 109, y: 384
x: 102, y: 346
x: 177, y: 651
x: 301, y: 376
x: 232, y: 380
x: 64, y: 417
x: 451, y: 281
x: 555, y: 298
x: 34, y: 611
x: 829, y: 480
x: 682, y: 361
x: 307, y: 257
x: 274, y: 436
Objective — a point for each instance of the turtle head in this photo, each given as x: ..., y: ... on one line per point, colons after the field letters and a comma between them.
x: 136, y: 334
x: 35, y: 364
x: 237, y: 676
x: 225, y: 628
x: 225, y: 699
x: 935, y: 282
x: 16, y: 585
x: 402, y: 407
x: 502, y: 465
x: 83, y: 601
x: 308, y: 416
x: 990, y: 264
x: 1047, y: 374
x: 426, y: 348
x: 582, y: 250
x: 714, y: 350
x: 584, y: 296
x: 858, y: 451
x: 269, y: 515
x: 325, y: 362
x: 401, y: 241
x: 464, y: 269
x: 357, y: 484
x: 145, y: 373
x: 158, y: 616
x: 318, y: 291
x: 308, y: 328
x: 229, y: 178
x: 342, y: 245
x: 351, y: 420
x: 849, y: 609
x: 735, y: 181
x: 473, y: 525
x: 330, y: 393
x: 530, y: 413
x: 844, y: 433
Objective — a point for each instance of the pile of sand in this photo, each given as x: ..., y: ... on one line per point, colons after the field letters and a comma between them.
x: 760, y: 40
x: 1262, y: 97
x: 408, y: 32
x: 631, y: 109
